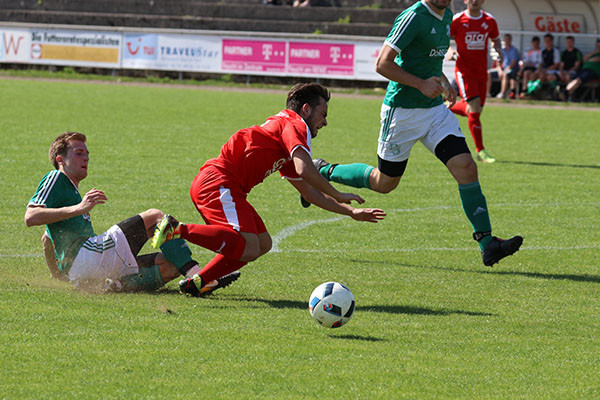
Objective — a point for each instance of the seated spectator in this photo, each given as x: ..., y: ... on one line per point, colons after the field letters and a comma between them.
x: 510, y: 68
x: 590, y: 70
x: 570, y: 60
x: 549, y: 70
x: 532, y: 60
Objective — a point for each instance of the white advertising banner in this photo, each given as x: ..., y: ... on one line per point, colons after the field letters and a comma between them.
x: 201, y: 53
x: 15, y: 45
x: 366, y: 54
x: 76, y: 48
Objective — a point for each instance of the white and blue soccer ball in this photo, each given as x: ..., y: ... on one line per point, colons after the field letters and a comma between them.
x: 331, y: 304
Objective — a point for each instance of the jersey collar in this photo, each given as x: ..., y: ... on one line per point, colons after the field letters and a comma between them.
x: 438, y: 16
x: 475, y: 18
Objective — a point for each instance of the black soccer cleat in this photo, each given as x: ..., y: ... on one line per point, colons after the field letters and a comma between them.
x: 318, y: 163
x: 190, y: 285
x: 498, y: 248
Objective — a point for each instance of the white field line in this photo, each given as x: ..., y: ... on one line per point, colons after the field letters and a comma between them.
x: 293, y: 229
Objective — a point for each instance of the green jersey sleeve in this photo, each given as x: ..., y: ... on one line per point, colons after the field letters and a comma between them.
x: 403, y: 31
x: 46, y: 194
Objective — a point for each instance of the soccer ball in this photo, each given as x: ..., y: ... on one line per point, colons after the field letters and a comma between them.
x: 331, y: 304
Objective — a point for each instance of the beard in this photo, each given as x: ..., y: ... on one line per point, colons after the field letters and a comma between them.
x: 441, y: 4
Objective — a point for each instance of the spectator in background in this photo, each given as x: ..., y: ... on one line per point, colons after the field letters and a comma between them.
x: 570, y: 60
x: 532, y: 60
x: 549, y: 70
x: 312, y: 3
x: 510, y: 68
x: 590, y: 70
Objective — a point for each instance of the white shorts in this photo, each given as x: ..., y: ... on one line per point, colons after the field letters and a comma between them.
x: 104, y: 256
x: 401, y: 128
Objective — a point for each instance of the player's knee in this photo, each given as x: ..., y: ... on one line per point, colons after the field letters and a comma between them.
x: 468, y: 168
x: 266, y: 243
x: 386, y: 186
x: 252, y: 250
x: 152, y: 215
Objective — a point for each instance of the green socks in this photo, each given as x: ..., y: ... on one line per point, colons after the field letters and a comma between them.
x: 179, y: 254
x: 475, y: 207
x: 148, y: 280
x: 355, y: 175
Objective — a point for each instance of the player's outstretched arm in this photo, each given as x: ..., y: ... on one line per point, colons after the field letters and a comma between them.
x: 38, y: 215
x: 309, y: 174
x: 387, y: 67
x: 330, y: 204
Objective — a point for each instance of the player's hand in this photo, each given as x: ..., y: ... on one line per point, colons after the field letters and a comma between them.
x: 450, y: 95
x: 432, y: 87
x: 368, y: 214
x: 347, y: 198
x: 91, y: 199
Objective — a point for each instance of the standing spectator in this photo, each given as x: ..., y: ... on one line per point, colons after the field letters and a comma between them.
x: 570, y: 60
x: 510, y: 68
x: 472, y: 29
x: 590, y: 70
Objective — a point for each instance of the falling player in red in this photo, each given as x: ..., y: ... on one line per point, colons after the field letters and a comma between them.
x: 471, y: 30
x: 233, y: 228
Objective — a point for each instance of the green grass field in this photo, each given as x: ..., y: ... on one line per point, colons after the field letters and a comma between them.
x: 431, y: 320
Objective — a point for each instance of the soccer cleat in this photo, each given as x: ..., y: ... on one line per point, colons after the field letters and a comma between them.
x: 497, y: 249
x: 190, y: 285
x: 484, y: 156
x: 167, y: 229
x: 318, y: 163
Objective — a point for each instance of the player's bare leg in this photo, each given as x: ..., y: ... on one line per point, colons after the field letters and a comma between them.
x: 382, y: 183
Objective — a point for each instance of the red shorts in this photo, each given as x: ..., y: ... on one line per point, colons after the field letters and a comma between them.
x: 222, y: 202
x: 471, y: 86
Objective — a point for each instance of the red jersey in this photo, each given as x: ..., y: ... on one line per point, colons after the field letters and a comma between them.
x: 471, y: 36
x: 254, y: 153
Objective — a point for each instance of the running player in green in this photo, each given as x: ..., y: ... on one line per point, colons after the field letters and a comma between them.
x: 413, y: 110
x: 85, y: 258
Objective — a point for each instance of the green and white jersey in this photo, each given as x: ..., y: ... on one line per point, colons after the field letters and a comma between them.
x: 421, y: 37
x: 55, y: 191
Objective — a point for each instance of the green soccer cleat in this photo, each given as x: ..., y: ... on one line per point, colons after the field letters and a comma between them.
x: 485, y: 157
x: 167, y: 229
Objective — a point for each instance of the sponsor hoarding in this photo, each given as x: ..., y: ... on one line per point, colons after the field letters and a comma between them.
x: 201, y: 53
x: 254, y: 56
x: 14, y: 45
x: 321, y: 59
x: 76, y: 48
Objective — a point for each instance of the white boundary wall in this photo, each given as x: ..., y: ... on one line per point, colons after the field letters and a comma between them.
x: 243, y: 53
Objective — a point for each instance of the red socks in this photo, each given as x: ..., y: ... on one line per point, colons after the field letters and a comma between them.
x: 460, y: 108
x: 475, y: 128
x: 218, y: 267
x: 217, y: 238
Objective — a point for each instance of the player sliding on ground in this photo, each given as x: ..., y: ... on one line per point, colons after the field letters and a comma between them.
x: 73, y: 252
x: 234, y: 229
x: 411, y: 58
